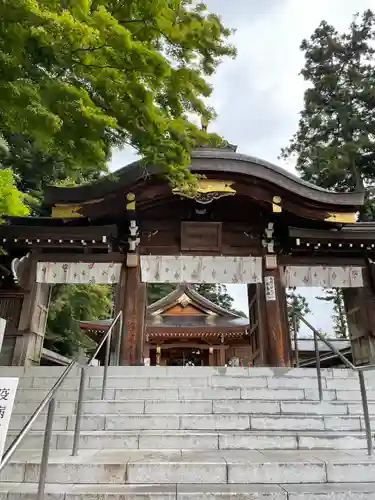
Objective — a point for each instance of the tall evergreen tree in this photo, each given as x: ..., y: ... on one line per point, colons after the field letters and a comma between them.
x: 340, y: 324
x: 296, y: 305
x: 334, y: 145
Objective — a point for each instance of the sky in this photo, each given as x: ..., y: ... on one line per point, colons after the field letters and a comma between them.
x: 258, y: 96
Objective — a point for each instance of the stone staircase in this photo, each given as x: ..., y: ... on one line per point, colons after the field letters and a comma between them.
x: 196, y: 433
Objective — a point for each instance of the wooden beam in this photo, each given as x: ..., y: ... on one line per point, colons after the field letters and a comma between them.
x: 315, y: 260
x: 81, y: 257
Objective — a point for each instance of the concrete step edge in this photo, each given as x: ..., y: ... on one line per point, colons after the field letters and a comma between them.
x: 155, y: 489
x: 201, y: 432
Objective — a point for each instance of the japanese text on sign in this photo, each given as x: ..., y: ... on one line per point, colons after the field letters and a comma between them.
x: 269, y: 286
x: 8, y: 389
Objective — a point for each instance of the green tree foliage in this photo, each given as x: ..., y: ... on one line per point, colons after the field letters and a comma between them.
x: 216, y: 293
x: 79, y: 77
x: 12, y: 201
x: 156, y: 291
x: 69, y: 305
x: 340, y: 324
x: 335, y: 142
x: 35, y: 169
x: 296, y: 304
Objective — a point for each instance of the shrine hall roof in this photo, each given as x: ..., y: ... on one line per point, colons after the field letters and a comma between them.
x: 213, y: 317
x: 189, y: 323
x: 224, y: 161
x: 185, y: 290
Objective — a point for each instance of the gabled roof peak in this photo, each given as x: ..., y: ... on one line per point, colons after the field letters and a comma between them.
x: 186, y: 293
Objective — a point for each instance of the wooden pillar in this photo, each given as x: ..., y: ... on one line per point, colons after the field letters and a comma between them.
x: 142, y: 307
x: 158, y: 355
x: 279, y: 347
x: 211, y: 356
x: 33, y: 320
x: 258, y: 325
x: 222, y: 356
x: 132, y: 308
x: 360, y: 315
x: 146, y: 353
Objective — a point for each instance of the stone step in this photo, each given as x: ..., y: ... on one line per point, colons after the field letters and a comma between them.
x: 158, y: 421
x: 348, y: 491
x: 337, y: 379
x: 195, y: 467
x: 220, y: 381
x: 179, y: 371
x: 195, y: 440
x: 292, y: 395
x: 330, y: 491
x: 221, y: 406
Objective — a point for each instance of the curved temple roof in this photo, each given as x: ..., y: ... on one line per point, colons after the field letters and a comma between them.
x: 223, y: 319
x: 185, y: 289
x: 206, y: 161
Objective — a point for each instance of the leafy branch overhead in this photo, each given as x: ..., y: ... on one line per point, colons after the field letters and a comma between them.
x: 80, y: 77
x: 334, y: 145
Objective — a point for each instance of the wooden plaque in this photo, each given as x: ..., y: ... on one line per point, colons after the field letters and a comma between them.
x: 201, y: 236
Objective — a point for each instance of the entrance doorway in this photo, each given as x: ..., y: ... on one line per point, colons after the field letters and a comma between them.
x: 183, y: 356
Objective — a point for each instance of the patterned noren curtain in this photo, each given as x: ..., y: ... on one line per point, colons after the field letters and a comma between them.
x: 78, y: 272
x: 325, y: 277
x: 200, y: 269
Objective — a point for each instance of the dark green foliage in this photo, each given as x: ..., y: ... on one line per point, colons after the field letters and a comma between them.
x: 69, y: 305
x: 334, y: 145
x: 156, y: 291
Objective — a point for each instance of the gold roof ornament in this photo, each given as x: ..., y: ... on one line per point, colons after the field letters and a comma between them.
x: 276, y: 205
x: 344, y: 218
x: 130, y: 201
x: 66, y: 211
x: 207, y: 190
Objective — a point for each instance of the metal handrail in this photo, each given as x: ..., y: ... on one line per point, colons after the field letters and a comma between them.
x: 13, y: 447
x: 359, y: 369
x: 82, y: 384
x: 51, y: 401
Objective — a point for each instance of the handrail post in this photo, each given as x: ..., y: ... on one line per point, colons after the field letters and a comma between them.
x: 366, y: 414
x: 295, y: 331
x: 119, y: 339
x: 77, y: 429
x: 106, y: 363
x: 318, y: 367
x: 46, y: 449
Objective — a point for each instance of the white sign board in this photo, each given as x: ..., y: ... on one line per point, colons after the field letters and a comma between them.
x: 3, y: 324
x: 8, y: 389
x: 269, y: 285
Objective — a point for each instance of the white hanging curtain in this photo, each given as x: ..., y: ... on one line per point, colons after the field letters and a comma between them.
x: 78, y: 272
x: 200, y: 269
x: 325, y: 277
